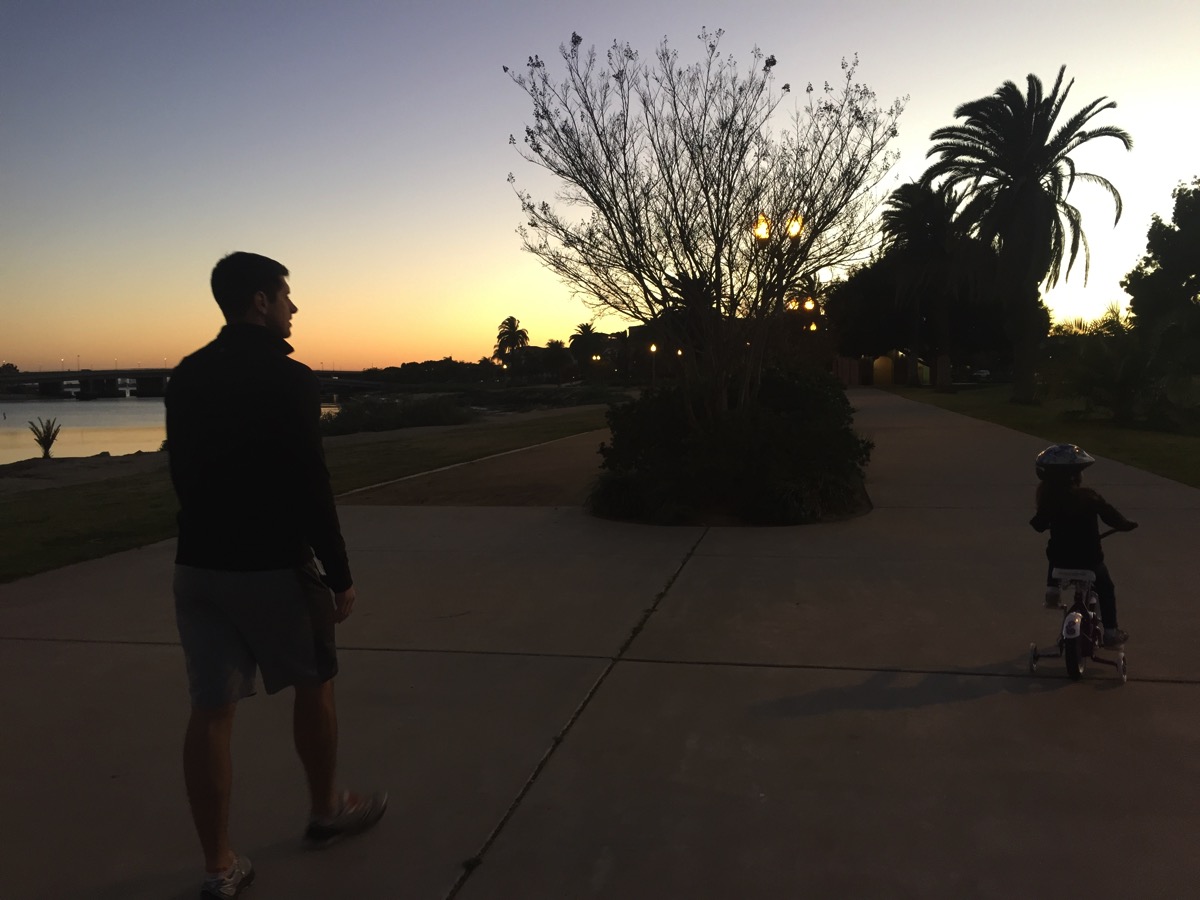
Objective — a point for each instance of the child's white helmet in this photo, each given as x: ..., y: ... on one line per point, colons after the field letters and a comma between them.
x: 1064, y: 459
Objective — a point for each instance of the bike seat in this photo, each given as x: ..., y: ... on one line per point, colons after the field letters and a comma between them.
x: 1073, y: 575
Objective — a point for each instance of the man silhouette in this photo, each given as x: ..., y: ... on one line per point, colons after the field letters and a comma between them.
x: 256, y: 507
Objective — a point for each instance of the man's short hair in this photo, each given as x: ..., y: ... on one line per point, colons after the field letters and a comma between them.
x: 239, y: 276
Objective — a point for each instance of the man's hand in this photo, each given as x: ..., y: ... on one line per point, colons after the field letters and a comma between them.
x: 343, y: 604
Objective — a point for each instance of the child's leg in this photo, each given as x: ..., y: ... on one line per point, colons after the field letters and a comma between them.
x: 1053, y: 594
x: 1106, y: 591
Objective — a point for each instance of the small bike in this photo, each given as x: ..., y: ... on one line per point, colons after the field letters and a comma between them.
x: 1082, y: 632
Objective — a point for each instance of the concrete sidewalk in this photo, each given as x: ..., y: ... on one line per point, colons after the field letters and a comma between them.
x: 593, y: 709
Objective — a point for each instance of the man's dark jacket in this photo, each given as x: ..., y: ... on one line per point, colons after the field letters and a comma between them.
x: 244, y: 438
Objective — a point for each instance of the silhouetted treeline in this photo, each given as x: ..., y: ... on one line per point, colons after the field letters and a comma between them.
x: 438, y: 371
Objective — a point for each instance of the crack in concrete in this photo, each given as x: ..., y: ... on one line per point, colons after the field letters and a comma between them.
x: 470, y: 865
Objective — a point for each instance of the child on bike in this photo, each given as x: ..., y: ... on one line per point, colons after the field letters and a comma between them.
x: 1071, y: 513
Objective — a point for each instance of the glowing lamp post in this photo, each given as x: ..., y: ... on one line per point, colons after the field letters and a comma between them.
x: 653, y: 357
x: 793, y: 225
x: 762, y: 230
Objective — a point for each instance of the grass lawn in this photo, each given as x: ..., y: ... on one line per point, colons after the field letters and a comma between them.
x: 45, y: 529
x: 1174, y: 456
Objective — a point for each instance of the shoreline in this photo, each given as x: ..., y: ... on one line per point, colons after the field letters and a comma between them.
x: 61, y: 471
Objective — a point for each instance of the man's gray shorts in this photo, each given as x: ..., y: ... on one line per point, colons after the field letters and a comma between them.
x: 279, y: 621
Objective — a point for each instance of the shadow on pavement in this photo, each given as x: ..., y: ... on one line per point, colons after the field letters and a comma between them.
x: 896, y: 690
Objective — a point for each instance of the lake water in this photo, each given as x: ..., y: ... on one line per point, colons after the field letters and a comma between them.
x: 118, y: 426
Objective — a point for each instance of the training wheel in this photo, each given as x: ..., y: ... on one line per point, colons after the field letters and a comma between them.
x: 1122, y: 669
x: 1033, y: 658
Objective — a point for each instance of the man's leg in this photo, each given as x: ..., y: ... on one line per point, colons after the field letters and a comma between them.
x: 208, y: 774
x: 314, y: 728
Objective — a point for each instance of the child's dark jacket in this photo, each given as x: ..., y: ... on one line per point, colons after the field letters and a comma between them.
x: 1073, y: 521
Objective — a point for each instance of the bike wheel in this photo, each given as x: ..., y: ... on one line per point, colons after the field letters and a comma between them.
x: 1073, y: 658
x: 1033, y: 658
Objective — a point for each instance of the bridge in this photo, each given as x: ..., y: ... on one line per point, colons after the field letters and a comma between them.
x: 140, y: 382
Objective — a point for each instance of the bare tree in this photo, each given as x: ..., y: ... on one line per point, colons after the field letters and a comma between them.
x: 696, y: 215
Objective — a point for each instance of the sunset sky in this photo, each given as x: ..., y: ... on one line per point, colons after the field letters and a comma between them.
x: 364, y: 144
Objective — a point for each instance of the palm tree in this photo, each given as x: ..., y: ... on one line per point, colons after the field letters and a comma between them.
x: 585, y: 343
x: 936, y: 259
x: 510, y: 338
x: 1014, y: 161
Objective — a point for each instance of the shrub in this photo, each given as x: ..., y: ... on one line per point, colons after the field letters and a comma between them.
x: 385, y: 414
x: 789, y: 458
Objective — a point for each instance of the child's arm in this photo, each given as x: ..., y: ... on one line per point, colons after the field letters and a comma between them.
x: 1040, y: 522
x: 1112, y: 517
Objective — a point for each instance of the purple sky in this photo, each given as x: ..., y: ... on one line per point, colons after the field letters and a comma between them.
x: 364, y: 144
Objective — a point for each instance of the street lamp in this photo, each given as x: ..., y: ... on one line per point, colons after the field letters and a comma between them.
x: 774, y: 291
x: 762, y: 229
x: 653, y: 372
x: 793, y: 225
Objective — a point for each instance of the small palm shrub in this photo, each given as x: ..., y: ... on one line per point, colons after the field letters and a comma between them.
x: 45, y: 434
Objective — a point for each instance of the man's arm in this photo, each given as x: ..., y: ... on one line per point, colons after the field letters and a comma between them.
x: 343, y: 604
x: 321, y: 526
